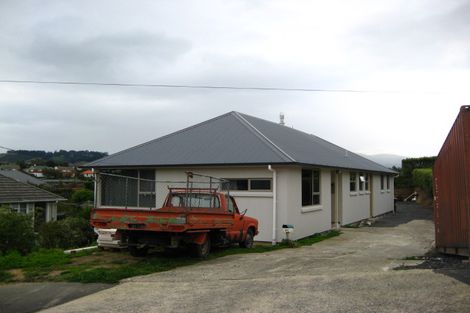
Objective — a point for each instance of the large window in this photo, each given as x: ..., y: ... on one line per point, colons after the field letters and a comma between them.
x: 352, y: 182
x: 310, y: 187
x: 128, y: 188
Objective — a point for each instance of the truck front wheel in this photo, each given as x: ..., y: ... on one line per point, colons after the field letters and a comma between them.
x: 138, y: 252
x: 248, y: 242
x: 202, y: 251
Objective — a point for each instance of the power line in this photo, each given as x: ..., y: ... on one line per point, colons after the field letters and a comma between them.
x: 9, y: 81
x: 1, y: 147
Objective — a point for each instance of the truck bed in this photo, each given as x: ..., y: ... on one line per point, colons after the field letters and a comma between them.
x: 161, y: 220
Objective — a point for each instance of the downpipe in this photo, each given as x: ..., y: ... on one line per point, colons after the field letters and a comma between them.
x: 274, y: 241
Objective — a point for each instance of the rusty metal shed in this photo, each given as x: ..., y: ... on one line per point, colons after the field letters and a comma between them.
x: 451, y: 175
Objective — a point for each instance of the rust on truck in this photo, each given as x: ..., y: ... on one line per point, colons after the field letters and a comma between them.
x: 194, y: 217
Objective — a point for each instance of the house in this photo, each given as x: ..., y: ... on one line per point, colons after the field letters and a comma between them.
x: 22, y: 177
x: 87, y: 173
x: 280, y: 174
x: 37, y: 170
x: 26, y: 198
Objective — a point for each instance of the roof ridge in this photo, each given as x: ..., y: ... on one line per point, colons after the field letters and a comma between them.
x: 313, y: 136
x: 263, y: 137
x: 160, y: 138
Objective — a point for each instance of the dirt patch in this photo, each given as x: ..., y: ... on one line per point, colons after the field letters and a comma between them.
x: 17, y: 274
x: 435, y: 261
x: 103, y: 258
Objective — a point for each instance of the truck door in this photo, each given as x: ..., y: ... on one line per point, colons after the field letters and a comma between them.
x: 236, y: 232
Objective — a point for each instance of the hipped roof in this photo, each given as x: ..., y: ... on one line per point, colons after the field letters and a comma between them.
x: 12, y: 191
x: 238, y: 139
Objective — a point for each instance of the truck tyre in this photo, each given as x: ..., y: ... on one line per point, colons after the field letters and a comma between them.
x: 248, y: 242
x: 138, y: 252
x: 202, y: 251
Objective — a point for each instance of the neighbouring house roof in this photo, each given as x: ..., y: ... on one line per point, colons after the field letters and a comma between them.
x: 12, y: 191
x: 238, y: 139
x: 22, y: 177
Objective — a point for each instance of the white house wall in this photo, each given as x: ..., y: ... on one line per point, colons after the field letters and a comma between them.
x: 356, y: 205
x: 306, y: 220
x: 383, y: 199
x: 258, y: 204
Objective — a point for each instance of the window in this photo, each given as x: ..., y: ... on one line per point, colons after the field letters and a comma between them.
x: 195, y: 200
x: 352, y: 182
x: 260, y: 184
x: 310, y: 187
x: 382, y: 182
x: 249, y: 184
x: 362, y: 181
x: 366, y: 183
x: 128, y: 188
x: 231, y: 204
x: 388, y: 182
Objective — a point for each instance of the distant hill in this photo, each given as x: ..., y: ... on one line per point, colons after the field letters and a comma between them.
x: 387, y: 160
x: 59, y: 157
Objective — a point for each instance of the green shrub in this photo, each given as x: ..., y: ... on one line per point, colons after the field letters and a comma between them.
x: 422, y: 178
x: 16, y: 232
x: 71, y: 232
x: 82, y: 195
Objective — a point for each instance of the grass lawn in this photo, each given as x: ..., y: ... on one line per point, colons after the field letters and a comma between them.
x: 94, y: 266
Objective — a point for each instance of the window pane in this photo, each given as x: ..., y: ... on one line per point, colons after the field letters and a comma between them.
x: 388, y: 182
x: 147, y: 200
x: 367, y: 181
x: 352, y: 181
x: 306, y: 187
x: 316, y: 199
x: 260, y: 184
x: 381, y: 182
x: 237, y: 184
x: 119, y: 190
x: 147, y: 182
x: 316, y: 181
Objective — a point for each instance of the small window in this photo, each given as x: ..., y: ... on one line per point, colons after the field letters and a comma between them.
x: 388, y: 182
x: 252, y: 184
x: 382, y: 182
x: 260, y: 184
x: 352, y: 182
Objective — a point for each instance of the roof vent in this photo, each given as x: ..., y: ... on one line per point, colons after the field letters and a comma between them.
x: 281, y: 119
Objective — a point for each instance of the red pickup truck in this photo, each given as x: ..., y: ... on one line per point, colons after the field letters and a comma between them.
x: 195, y: 218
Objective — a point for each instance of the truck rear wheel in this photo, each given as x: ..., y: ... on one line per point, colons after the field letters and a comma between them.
x: 138, y: 252
x: 248, y: 242
x: 202, y: 251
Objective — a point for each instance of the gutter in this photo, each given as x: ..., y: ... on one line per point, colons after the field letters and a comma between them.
x: 274, y: 241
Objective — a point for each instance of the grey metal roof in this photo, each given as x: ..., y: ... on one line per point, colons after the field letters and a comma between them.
x: 22, y: 177
x: 12, y: 191
x: 235, y: 138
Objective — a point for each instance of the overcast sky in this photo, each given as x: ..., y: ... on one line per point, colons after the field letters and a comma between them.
x: 413, y: 55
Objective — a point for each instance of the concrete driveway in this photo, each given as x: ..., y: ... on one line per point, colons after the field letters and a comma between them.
x: 350, y: 273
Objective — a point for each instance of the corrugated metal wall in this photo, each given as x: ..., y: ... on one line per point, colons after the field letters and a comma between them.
x: 452, y: 188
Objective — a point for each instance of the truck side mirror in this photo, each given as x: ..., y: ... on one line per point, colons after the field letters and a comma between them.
x: 243, y: 213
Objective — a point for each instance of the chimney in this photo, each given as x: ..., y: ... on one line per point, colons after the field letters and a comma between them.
x: 281, y: 119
